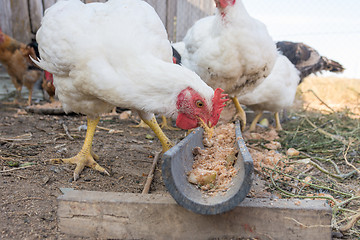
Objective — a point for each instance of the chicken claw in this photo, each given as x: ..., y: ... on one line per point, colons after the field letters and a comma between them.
x: 82, y: 160
x: 164, y: 124
x: 86, y: 157
x: 141, y: 124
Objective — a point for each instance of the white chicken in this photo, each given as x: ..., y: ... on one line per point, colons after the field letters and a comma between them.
x: 117, y: 54
x: 230, y: 50
x: 275, y: 93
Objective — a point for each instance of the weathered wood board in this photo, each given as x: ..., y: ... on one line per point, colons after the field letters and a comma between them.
x: 21, y: 18
x: 154, y: 216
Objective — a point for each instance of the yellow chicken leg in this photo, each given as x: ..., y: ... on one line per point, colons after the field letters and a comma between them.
x: 86, y: 157
x: 255, y: 121
x: 165, y: 141
x: 277, y: 122
x: 142, y: 124
x: 164, y: 124
x: 240, y: 113
x: 30, y: 97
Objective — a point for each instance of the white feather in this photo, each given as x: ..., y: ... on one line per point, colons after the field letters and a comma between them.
x: 234, y: 52
x: 277, y: 91
x: 112, y: 54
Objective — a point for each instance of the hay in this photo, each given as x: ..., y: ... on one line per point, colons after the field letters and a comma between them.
x: 326, y: 168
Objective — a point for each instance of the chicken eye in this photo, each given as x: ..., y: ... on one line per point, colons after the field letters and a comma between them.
x: 199, y: 104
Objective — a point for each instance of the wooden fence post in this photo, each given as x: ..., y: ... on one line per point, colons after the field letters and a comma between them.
x: 22, y: 18
x: 20, y: 21
x: 48, y: 3
x: 36, y: 11
x: 5, y: 17
x: 171, y: 10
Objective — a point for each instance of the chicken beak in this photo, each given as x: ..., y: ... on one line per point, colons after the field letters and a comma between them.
x: 209, y: 130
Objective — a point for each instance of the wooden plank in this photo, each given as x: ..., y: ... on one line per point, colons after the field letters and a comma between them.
x: 156, y: 216
x: 171, y: 9
x: 48, y: 3
x: 5, y: 17
x: 36, y: 14
x: 160, y: 8
x: 188, y: 12
x: 21, y: 21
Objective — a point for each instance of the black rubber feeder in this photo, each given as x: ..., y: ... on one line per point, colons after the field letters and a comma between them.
x: 178, y: 161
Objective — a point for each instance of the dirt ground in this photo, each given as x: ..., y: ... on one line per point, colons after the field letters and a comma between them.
x: 30, y: 184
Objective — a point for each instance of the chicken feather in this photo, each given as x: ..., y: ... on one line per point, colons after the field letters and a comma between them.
x: 99, y: 60
x: 277, y: 91
x: 117, y: 53
x: 230, y: 50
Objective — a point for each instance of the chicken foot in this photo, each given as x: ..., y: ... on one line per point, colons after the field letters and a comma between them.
x: 164, y: 124
x: 141, y: 124
x: 86, y: 157
x: 165, y: 141
x: 257, y: 118
x: 240, y: 113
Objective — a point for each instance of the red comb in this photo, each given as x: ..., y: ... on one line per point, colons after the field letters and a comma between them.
x: 224, y: 3
x: 218, y: 105
x: 218, y: 99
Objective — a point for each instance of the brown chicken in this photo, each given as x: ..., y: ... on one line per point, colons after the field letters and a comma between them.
x: 14, y: 56
x: 48, y: 85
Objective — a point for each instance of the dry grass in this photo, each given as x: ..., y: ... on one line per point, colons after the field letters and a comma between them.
x: 338, y: 93
x: 325, y: 129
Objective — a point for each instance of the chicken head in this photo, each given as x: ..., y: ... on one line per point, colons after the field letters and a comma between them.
x: 224, y: 3
x: 194, y: 110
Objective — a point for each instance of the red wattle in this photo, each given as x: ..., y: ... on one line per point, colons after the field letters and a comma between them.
x: 184, y: 122
x: 49, y: 76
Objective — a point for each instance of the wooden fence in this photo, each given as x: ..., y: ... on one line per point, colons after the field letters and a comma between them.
x: 22, y: 18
